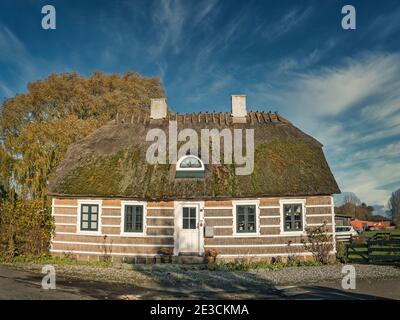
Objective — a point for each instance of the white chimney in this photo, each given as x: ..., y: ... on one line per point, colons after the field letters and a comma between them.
x: 239, y: 111
x: 158, y: 108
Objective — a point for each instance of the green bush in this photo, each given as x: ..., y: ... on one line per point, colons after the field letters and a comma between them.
x: 26, y: 227
x: 319, y: 243
x: 341, y: 251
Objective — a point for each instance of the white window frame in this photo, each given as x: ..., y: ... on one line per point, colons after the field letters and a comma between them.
x: 79, y: 215
x: 303, y: 205
x: 236, y: 203
x: 178, y: 164
x: 122, y: 226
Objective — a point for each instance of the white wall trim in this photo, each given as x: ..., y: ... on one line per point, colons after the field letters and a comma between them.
x: 112, y: 217
x: 333, y: 224
x: 318, y: 206
x: 64, y: 215
x: 109, y: 235
x: 270, y: 217
x: 270, y: 207
x: 113, y: 244
x: 219, y: 217
x: 65, y: 206
x: 159, y: 217
x: 253, y: 245
x: 266, y: 236
x: 160, y: 227
x: 265, y: 255
x: 318, y: 224
x: 319, y: 215
x: 222, y: 227
x: 101, y: 254
x: 52, y: 214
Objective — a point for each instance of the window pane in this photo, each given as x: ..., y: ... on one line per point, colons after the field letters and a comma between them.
x: 133, y: 218
x: 85, y: 209
x: 185, y: 223
x: 193, y: 223
x: 246, y: 218
x: 94, y: 217
x: 94, y: 209
x: 190, y: 162
x: 185, y: 212
x: 85, y: 225
x: 193, y: 213
x: 85, y: 217
x: 128, y: 219
x: 293, y: 216
x: 93, y: 226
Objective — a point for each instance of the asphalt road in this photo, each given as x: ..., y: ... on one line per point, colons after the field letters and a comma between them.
x: 16, y: 284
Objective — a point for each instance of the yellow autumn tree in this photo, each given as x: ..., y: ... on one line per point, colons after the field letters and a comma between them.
x: 37, y: 127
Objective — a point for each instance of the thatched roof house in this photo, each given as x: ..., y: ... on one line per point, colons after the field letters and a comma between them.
x: 110, y: 166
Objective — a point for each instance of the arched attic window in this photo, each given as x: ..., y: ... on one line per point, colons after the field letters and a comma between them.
x: 189, y: 166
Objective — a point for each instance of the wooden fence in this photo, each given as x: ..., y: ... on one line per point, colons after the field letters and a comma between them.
x: 381, y: 248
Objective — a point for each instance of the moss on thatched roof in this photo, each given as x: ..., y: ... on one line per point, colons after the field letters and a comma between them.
x: 111, y: 162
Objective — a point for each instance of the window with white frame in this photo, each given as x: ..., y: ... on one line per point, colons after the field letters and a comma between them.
x: 89, y: 217
x: 189, y: 166
x: 133, y: 218
x: 293, y: 217
x: 246, y: 218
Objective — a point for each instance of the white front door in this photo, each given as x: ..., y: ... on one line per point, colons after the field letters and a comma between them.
x: 189, y: 229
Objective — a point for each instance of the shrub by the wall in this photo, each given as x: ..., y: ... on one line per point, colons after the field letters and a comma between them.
x: 319, y: 243
x: 26, y: 228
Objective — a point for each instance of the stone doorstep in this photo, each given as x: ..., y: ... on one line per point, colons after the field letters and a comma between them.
x: 188, y: 259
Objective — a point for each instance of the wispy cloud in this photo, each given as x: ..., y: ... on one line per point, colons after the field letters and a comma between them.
x: 13, y: 51
x: 288, y: 22
x: 169, y: 17
x: 384, y: 25
x: 354, y: 109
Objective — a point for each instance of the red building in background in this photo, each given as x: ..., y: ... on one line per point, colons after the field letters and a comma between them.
x: 361, y: 225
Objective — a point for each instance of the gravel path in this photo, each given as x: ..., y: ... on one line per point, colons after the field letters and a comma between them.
x: 312, y: 275
x: 186, y: 277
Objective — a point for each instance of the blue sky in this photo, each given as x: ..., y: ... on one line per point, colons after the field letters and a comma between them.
x: 342, y: 87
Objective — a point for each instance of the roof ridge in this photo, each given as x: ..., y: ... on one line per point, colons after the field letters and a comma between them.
x: 221, y: 118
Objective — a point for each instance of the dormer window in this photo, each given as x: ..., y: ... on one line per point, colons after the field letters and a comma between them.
x: 189, y: 166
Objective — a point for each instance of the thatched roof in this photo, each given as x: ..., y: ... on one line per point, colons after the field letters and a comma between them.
x: 111, y: 162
